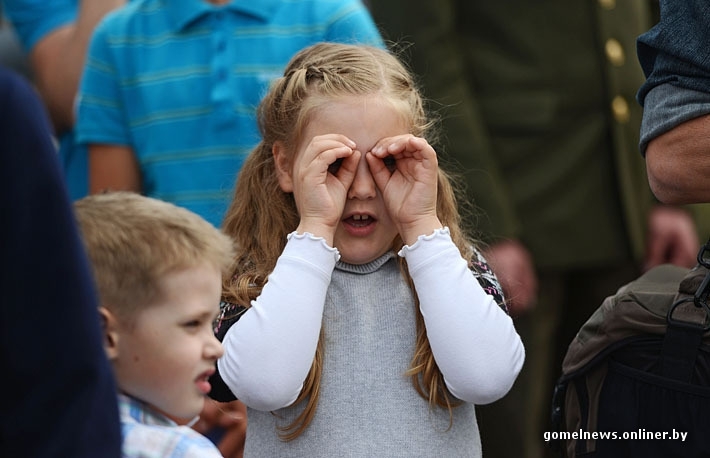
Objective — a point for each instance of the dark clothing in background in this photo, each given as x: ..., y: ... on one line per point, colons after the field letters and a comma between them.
x: 538, y: 108
x: 59, y: 395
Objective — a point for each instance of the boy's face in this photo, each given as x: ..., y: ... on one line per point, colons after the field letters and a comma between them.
x: 165, y: 358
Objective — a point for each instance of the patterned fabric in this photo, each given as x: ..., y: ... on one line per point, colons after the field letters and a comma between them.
x: 488, y: 280
x: 148, y: 434
x: 229, y: 314
x: 179, y: 81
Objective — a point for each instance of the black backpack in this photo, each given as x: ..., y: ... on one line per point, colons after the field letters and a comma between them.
x: 636, y: 378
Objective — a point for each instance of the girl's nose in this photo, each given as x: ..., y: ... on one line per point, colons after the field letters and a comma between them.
x: 363, y: 186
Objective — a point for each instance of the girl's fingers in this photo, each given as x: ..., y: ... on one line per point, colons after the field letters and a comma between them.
x: 324, y: 143
x: 406, y: 155
x: 323, y: 173
x: 408, y: 185
x: 379, y: 170
x: 348, y: 167
x: 403, y: 146
x: 325, y: 156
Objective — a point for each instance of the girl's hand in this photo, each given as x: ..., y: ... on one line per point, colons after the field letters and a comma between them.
x: 405, y: 170
x: 322, y: 175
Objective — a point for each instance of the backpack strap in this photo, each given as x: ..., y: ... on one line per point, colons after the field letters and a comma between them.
x: 684, y: 336
x: 700, y: 298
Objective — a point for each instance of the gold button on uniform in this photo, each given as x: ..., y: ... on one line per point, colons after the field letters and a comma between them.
x: 614, y: 52
x: 620, y: 109
x: 607, y: 4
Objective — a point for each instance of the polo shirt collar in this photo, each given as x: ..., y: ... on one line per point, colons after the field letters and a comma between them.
x: 184, y: 12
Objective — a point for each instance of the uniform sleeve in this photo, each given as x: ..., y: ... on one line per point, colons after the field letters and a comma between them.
x: 473, y: 340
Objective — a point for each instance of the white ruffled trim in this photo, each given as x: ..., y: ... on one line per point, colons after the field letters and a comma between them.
x: 441, y: 232
x: 318, y: 240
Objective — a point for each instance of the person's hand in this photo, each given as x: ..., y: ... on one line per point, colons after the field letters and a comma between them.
x: 322, y: 175
x: 672, y: 238
x: 405, y: 169
x: 512, y: 263
x: 229, y: 420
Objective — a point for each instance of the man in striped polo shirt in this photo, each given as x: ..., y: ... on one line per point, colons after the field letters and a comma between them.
x: 167, y: 103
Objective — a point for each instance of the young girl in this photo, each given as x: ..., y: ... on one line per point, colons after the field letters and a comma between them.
x: 354, y: 325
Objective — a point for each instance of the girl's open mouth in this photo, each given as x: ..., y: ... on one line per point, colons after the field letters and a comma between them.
x: 359, y: 220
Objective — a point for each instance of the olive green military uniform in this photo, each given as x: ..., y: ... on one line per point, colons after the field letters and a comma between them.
x: 537, y: 100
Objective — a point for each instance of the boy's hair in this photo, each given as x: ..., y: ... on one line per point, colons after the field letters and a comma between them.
x: 133, y: 241
x: 261, y: 214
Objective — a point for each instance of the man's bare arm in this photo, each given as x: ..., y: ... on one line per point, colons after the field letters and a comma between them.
x: 678, y: 163
x: 58, y: 60
x: 114, y: 168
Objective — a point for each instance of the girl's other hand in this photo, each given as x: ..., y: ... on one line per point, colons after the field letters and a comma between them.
x: 405, y: 169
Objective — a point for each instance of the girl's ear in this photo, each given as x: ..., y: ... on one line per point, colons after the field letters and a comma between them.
x: 109, y: 328
x: 283, y: 166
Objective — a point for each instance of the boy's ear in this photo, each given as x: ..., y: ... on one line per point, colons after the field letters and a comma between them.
x: 283, y: 166
x: 109, y: 329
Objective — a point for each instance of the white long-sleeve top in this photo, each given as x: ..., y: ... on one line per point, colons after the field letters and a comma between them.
x: 367, y: 315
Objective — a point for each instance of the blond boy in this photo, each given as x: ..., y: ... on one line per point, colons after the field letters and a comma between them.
x: 158, y: 270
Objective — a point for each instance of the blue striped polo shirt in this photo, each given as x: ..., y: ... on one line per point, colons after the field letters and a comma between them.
x: 179, y: 82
